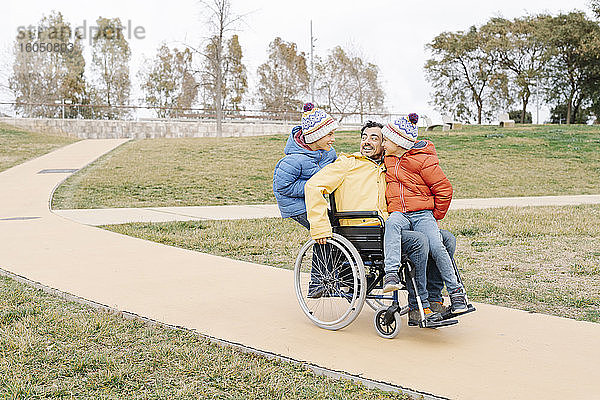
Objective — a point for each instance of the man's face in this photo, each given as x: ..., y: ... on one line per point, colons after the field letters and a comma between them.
x: 370, y: 143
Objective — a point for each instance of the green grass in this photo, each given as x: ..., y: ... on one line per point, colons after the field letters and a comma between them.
x: 52, y: 348
x: 481, y: 161
x: 18, y: 146
x: 268, y: 241
x: 542, y: 259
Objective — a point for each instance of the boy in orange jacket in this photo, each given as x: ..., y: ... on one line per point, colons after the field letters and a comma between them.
x: 418, y: 195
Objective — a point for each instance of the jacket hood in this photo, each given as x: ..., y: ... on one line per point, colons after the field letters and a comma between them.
x: 296, y: 145
x: 423, y: 147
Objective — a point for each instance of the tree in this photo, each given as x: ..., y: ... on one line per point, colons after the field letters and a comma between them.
x: 348, y: 85
x: 110, y: 64
x: 6, y: 71
x: 332, y: 83
x: 464, y: 74
x: 516, y: 115
x: 521, y: 47
x: 50, y: 72
x: 595, y: 6
x: 234, y: 82
x: 369, y: 92
x: 221, y: 21
x: 169, y: 82
x: 283, y: 79
x: 558, y: 115
x: 574, y: 75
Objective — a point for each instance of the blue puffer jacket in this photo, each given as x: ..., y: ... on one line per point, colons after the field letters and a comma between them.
x: 292, y: 172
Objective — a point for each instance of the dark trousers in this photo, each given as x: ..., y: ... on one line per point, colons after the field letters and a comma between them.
x: 320, y: 252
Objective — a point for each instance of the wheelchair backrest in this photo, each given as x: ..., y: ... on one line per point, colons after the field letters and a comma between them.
x: 366, y: 239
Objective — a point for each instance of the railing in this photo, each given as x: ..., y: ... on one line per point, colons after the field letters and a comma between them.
x: 61, y: 109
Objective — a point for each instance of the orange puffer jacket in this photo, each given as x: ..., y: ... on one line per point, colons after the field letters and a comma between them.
x: 416, y: 182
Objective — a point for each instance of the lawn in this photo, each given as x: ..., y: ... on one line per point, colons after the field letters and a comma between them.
x: 18, y: 146
x: 52, y: 348
x: 481, y: 161
x: 542, y: 259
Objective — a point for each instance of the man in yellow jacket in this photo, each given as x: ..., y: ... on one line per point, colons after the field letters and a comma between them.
x: 359, y: 182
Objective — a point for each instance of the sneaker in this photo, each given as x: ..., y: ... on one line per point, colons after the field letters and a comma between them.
x: 315, y: 291
x: 437, y: 306
x: 458, y: 301
x: 391, y: 282
x: 414, y: 316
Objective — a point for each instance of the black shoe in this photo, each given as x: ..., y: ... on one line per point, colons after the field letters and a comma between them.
x: 391, y: 282
x: 437, y: 306
x: 458, y: 302
x: 414, y: 316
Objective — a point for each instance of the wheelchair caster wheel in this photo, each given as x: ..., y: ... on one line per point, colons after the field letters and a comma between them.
x: 387, y: 326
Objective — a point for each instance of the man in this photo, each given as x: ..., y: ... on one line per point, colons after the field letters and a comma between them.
x: 359, y: 182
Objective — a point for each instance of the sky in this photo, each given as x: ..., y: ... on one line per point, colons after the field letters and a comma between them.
x: 390, y: 34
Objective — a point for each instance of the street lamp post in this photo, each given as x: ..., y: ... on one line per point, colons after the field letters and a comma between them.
x: 537, y: 102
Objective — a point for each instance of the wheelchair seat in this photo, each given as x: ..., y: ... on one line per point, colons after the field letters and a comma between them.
x: 366, y: 239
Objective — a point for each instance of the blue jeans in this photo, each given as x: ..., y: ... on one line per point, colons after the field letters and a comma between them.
x: 302, y: 219
x: 419, y: 221
x: 415, y: 246
x: 435, y: 283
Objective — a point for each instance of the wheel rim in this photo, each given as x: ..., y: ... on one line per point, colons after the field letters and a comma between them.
x: 339, y: 273
x: 386, y: 329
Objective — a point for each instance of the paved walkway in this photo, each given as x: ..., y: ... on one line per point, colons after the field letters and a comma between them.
x: 495, y: 353
x: 108, y: 216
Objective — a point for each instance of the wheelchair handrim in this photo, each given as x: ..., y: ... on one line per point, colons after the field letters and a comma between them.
x: 359, y: 280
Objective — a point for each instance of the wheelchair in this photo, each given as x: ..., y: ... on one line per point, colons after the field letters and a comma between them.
x: 334, y: 281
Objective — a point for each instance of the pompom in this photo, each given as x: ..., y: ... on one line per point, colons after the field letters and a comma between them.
x: 413, y: 118
x: 308, y: 106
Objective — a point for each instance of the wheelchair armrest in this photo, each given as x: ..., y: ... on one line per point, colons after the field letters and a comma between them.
x: 358, y: 215
x: 355, y: 214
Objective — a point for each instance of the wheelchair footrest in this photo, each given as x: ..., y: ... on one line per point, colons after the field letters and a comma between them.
x: 437, y: 324
x: 449, y: 314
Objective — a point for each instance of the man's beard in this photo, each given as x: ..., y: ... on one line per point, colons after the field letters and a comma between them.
x: 371, y: 155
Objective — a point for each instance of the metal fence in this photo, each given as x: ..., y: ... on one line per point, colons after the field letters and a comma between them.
x: 65, y: 110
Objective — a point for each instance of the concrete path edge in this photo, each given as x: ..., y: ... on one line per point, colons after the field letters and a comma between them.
x: 318, y: 370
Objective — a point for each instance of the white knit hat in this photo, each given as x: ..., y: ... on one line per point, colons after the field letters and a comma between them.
x: 403, y: 131
x: 316, y: 123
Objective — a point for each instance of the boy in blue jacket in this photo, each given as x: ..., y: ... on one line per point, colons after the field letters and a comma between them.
x: 308, y: 149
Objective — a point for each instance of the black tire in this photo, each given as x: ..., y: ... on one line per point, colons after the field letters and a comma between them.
x: 387, y: 330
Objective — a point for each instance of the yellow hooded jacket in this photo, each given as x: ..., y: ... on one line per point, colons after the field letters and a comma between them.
x: 359, y: 184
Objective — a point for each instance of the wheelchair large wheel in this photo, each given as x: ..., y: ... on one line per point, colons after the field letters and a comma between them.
x: 330, y: 282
